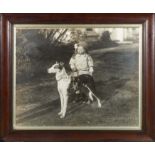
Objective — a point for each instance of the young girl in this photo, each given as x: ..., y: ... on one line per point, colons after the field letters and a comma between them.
x: 81, y: 64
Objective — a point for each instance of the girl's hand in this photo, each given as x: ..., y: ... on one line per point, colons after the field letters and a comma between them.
x: 91, y: 70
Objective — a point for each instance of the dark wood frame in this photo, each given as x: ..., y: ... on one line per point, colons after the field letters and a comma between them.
x: 6, y: 39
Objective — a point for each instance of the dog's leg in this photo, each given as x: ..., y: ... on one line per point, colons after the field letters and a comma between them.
x: 99, y: 103
x: 61, y: 100
x: 91, y: 96
x: 65, y: 101
x: 98, y: 100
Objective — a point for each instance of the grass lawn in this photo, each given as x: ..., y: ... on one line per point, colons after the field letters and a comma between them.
x: 116, y: 79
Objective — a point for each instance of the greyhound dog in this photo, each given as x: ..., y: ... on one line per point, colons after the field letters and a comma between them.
x: 63, y: 84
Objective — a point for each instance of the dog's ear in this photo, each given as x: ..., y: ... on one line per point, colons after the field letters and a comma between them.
x: 61, y: 65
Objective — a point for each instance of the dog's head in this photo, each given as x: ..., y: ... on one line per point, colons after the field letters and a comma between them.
x: 56, y: 67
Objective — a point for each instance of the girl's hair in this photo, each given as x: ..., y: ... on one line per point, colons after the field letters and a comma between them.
x: 85, y: 49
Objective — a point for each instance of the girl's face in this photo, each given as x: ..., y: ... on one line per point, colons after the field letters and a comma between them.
x: 81, y: 50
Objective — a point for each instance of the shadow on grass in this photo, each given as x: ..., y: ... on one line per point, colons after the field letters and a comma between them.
x: 106, y: 89
x: 50, y: 107
x: 38, y: 111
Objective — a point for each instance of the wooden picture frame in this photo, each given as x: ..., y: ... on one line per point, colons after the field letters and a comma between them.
x: 7, y: 133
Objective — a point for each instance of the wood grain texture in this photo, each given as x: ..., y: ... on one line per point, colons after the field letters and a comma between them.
x: 153, y: 74
x: 6, y: 40
x: 0, y: 74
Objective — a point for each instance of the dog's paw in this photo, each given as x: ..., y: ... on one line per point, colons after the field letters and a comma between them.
x: 99, y: 105
x: 62, y: 116
x: 60, y: 113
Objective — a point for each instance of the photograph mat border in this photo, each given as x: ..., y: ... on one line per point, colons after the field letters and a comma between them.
x: 50, y: 26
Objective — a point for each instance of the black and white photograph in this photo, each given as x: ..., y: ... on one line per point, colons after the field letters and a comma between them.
x: 77, y: 77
